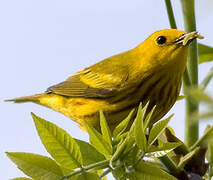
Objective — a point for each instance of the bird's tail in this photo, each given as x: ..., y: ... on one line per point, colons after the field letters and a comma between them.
x: 34, y: 98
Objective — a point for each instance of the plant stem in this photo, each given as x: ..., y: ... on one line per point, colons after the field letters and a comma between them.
x: 191, y: 124
x: 105, y: 172
x: 98, y: 165
x: 207, y: 79
x: 173, y: 25
x: 170, y: 14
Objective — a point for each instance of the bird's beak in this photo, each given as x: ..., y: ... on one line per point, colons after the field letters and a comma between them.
x: 187, y: 38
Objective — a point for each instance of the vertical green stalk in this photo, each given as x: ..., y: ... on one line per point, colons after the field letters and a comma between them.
x: 170, y: 14
x: 191, y: 124
x: 173, y: 25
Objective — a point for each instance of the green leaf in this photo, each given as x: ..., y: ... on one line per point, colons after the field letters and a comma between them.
x: 119, y: 173
x: 180, y: 98
x: 140, y: 137
x: 206, y: 80
x: 206, y: 139
x: 170, y: 137
x: 105, y: 130
x: 87, y: 176
x: 21, y: 178
x: 133, y: 156
x: 89, y: 154
x: 102, y: 173
x: 209, y: 154
x: 148, y: 118
x: 199, y: 95
x: 66, y: 171
x: 159, y: 151
x: 129, y: 140
x: 146, y: 171
x: 205, y: 53
x: 206, y: 115
x: 117, y: 139
x: 119, y: 150
x: 36, y: 166
x: 157, y: 129
x: 123, y: 149
x: 58, y: 143
x: 185, y: 159
x: 98, y: 141
x: 123, y: 125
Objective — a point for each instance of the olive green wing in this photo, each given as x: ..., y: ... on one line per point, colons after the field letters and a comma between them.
x: 93, y: 82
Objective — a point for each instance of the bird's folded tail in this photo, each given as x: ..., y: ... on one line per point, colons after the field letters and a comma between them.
x: 34, y: 98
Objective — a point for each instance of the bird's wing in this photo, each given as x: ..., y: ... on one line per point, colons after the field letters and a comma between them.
x: 99, y: 81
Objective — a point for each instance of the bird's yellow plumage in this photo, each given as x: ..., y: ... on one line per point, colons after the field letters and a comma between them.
x: 150, y: 72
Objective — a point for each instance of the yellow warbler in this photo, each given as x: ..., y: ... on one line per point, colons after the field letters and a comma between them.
x: 150, y: 72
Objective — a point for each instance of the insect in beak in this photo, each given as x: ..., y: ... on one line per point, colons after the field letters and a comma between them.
x: 187, y: 38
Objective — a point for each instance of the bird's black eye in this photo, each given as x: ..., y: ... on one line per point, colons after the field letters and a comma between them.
x: 161, y: 40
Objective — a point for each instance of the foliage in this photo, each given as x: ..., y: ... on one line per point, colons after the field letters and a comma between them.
x: 75, y: 159
x: 205, y: 53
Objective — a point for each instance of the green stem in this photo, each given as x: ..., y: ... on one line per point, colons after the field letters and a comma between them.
x: 98, y: 165
x: 207, y: 79
x: 105, y: 172
x: 191, y: 124
x: 186, y: 79
x: 210, y: 172
x: 174, y: 26
x: 169, y: 164
x: 170, y: 14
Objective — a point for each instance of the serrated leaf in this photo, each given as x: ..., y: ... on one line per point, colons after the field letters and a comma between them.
x: 157, y: 129
x: 146, y: 171
x: 205, y: 53
x: 89, y: 154
x: 159, y: 151
x: 36, y: 166
x: 123, y: 125
x: 58, y: 143
x: 21, y: 178
x: 140, y: 137
x: 106, y: 133
x: 187, y: 158
x: 87, y: 176
x: 98, y: 141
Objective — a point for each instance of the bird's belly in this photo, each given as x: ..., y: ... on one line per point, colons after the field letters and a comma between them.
x: 79, y: 109
x: 88, y: 109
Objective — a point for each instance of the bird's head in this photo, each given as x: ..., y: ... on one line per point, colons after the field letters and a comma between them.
x: 166, y: 48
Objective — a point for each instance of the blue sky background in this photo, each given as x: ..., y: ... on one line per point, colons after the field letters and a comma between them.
x: 42, y: 42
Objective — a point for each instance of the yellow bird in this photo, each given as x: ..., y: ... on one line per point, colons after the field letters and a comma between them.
x: 152, y: 72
